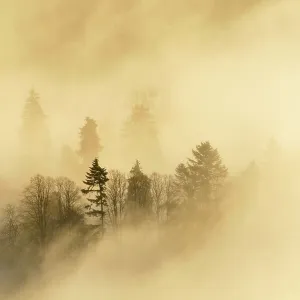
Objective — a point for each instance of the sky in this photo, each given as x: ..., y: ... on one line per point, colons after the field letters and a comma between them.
x: 226, y: 71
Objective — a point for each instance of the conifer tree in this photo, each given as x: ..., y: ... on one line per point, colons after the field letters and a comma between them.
x: 207, y: 170
x: 34, y: 134
x: 90, y: 146
x: 96, y: 179
x: 141, y: 137
x: 199, y: 181
x: 139, y: 194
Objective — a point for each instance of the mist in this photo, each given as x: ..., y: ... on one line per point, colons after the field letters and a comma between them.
x: 224, y: 71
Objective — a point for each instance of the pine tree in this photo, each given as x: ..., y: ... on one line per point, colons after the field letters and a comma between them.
x: 35, y: 136
x: 139, y: 195
x: 207, y: 170
x: 141, y: 137
x: 89, y: 141
x: 95, y: 181
x: 199, y: 182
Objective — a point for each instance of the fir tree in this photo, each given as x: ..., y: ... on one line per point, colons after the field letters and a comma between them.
x: 139, y: 195
x: 95, y: 181
x: 35, y: 136
x: 200, y: 180
x: 89, y: 141
x: 141, y: 137
x: 207, y: 170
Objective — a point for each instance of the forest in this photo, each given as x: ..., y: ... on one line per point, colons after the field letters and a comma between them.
x: 86, y: 202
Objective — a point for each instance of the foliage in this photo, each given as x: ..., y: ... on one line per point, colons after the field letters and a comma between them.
x: 90, y: 146
x: 95, y: 181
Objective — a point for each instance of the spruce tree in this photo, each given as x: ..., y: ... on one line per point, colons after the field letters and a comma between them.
x: 90, y: 146
x: 139, y: 195
x: 34, y: 135
x: 96, y: 179
x: 207, y: 171
x: 141, y: 137
x: 199, y: 182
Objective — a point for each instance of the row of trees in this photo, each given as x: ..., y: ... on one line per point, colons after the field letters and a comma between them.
x: 139, y: 133
x: 50, y: 206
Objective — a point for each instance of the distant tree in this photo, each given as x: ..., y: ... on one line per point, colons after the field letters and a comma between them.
x: 199, y: 183
x: 36, y: 208
x: 10, y: 229
x: 35, y: 136
x: 95, y: 181
x: 139, y: 195
x: 68, y: 197
x: 141, y: 137
x: 90, y: 145
x: 207, y: 171
x: 184, y: 183
x: 116, y: 197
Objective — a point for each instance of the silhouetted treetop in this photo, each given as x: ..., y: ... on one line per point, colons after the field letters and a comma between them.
x: 96, y: 179
x: 90, y: 145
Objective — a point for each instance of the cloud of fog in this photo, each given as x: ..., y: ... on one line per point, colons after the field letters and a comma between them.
x: 227, y: 70
x: 253, y: 253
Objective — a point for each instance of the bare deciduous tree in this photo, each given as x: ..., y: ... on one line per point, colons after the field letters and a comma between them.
x: 116, y: 197
x: 10, y: 229
x: 36, y: 206
x: 158, y: 193
x: 170, y: 202
x: 68, y: 196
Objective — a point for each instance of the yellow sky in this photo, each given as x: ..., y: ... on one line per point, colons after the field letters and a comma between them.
x: 228, y: 73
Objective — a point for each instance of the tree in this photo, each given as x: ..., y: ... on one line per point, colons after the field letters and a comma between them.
x: 170, y: 204
x: 199, y: 183
x: 207, y: 171
x: 89, y: 141
x: 116, y: 197
x: 10, y: 228
x: 95, y: 181
x: 139, y: 195
x: 35, y: 136
x: 69, y: 210
x: 141, y: 137
x: 36, y: 207
x: 158, y: 194
x: 184, y: 183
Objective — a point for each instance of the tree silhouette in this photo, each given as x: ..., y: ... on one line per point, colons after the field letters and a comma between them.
x: 95, y: 181
x: 199, y: 183
x: 68, y: 196
x: 34, y: 134
x: 116, y: 197
x: 139, y: 195
x: 10, y: 230
x: 207, y: 171
x: 89, y: 142
x: 36, y: 207
x: 141, y: 137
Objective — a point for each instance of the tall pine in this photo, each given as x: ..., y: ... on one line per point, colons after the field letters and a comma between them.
x: 141, y: 138
x: 90, y: 145
x: 34, y: 135
x: 96, y: 179
x: 199, y: 183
